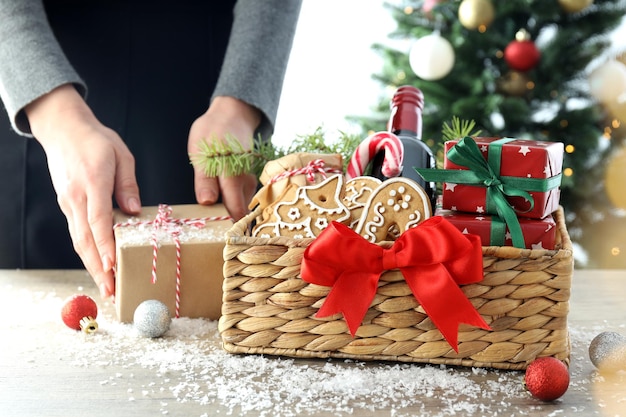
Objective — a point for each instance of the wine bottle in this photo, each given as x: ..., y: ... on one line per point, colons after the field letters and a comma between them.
x: 406, y: 123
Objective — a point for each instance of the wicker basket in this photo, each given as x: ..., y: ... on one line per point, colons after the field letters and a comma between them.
x: 268, y: 309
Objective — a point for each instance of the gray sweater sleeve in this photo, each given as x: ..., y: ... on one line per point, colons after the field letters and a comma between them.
x: 257, y: 55
x: 33, y: 64
x: 31, y: 60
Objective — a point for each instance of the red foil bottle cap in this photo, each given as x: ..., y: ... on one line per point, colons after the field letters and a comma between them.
x: 406, y: 111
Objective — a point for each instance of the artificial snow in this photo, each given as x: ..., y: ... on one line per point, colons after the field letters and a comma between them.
x: 189, y: 363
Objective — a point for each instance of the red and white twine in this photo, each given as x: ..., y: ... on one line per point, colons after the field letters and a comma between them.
x: 164, y: 221
x: 317, y: 166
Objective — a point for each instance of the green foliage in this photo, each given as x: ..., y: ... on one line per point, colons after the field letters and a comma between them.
x: 229, y: 158
x: 557, y: 107
x: 317, y: 142
x: 458, y: 129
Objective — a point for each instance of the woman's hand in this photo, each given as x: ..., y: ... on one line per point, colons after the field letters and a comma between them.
x: 88, y: 163
x: 225, y: 117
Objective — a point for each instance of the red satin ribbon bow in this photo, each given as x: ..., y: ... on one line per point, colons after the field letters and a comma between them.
x: 434, y: 258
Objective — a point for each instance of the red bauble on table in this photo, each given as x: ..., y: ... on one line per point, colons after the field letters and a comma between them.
x: 547, y: 378
x: 79, y: 313
x: 522, y: 54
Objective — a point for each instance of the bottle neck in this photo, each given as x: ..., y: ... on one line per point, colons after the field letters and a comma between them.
x: 406, y: 133
x: 406, y: 112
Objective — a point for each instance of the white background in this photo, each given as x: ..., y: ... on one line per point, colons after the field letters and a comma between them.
x: 329, y: 75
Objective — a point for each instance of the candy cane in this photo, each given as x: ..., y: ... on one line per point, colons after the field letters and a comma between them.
x: 364, y: 153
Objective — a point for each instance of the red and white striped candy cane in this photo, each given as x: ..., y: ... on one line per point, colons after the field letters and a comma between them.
x: 364, y: 153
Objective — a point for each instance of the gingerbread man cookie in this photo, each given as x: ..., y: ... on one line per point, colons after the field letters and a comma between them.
x: 394, y: 207
x: 358, y: 191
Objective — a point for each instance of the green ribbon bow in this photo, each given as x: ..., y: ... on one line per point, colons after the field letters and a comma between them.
x: 486, y: 173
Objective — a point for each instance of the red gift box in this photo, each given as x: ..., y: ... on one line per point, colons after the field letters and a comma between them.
x: 538, y: 234
x: 519, y: 158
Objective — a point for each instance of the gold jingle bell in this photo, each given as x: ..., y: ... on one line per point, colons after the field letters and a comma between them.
x: 88, y: 325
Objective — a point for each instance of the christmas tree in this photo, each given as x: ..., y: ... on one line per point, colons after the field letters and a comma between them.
x: 519, y: 68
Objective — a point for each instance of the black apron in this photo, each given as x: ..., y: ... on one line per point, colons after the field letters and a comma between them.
x: 150, y: 68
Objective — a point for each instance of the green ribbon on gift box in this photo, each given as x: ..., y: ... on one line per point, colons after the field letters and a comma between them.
x: 497, y: 234
x: 486, y: 173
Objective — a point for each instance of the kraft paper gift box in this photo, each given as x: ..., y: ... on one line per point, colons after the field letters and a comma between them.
x: 519, y: 159
x: 538, y: 234
x: 200, y: 231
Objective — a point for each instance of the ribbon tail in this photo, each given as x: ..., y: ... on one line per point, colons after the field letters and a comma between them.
x: 507, y: 213
x: 351, y: 295
x: 443, y: 301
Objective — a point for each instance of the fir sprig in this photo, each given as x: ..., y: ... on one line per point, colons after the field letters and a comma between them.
x: 317, y: 142
x: 223, y: 157
x: 459, y: 129
x: 229, y: 158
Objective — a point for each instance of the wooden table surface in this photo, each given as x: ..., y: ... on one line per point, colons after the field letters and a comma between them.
x: 47, y: 369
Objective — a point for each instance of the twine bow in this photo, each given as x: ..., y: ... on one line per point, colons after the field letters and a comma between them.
x: 317, y: 166
x: 164, y: 221
x: 434, y: 258
x: 486, y: 173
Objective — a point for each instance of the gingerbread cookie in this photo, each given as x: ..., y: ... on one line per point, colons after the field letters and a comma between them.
x: 268, y: 217
x: 297, y: 169
x: 394, y: 207
x: 309, y: 213
x: 358, y: 192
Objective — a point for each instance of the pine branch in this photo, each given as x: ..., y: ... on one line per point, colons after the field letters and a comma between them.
x: 229, y: 158
x: 459, y: 129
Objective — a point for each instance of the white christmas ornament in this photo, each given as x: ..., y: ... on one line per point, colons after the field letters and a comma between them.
x: 608, y: 82
x: 431, y: 57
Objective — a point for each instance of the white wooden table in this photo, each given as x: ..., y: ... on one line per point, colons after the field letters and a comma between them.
x: 47, y: 369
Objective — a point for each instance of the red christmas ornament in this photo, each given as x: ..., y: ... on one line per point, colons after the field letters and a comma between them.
x: 522, y: 54
x: 79, y: 313
x: 547, y: 378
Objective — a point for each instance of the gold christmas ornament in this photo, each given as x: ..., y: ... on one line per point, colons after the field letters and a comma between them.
x: 615, y: 178
x: 88, y: 325
x: 514, y: 83
x: 522, y: 35
x: 607, y: 83
x: 476, y: 13
x: 575, y: 6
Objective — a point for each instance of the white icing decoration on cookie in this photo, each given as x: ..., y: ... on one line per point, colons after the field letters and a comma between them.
x: 266, y: 230
x: 371, y: 228
x: 354, y: 194
x: 321, y: 223
x: 414, y: 219
x: 294, y: 213
x: 396, y: 194
x: 320, y: 210
x: 357, y: 192
x: 303, y: 228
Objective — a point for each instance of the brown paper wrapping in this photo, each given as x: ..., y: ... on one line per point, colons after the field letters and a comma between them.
x: 201, y: 263
x: 271, y: 191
